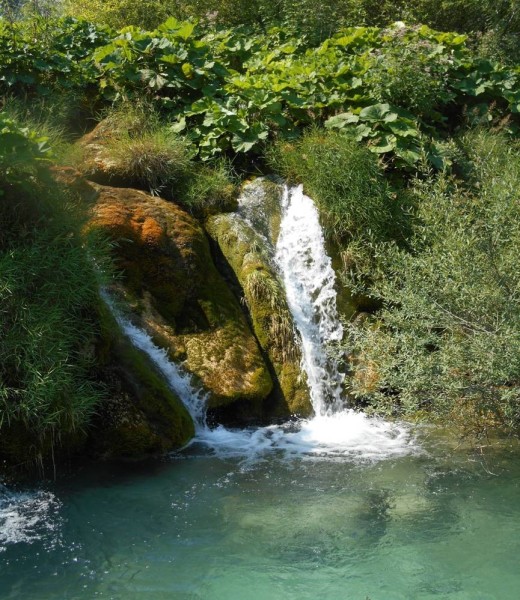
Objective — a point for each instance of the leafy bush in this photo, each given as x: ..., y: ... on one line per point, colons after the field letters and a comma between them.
x: 448, y: 338
x: 147, y: 14
x: 53, y: 61
x: 387, y: 129
x: 22, y: 151
x: 405, y: 75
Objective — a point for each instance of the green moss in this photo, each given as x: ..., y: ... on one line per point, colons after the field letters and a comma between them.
x: 269, y: 313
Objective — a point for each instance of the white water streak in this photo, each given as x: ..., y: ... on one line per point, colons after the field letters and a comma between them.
x: 179, y: 380
x: 309, y: 281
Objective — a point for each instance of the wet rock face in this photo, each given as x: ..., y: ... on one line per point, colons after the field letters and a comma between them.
x: 176, y: 294
x: 260, y: 206
x: 248, y: 254
x: 141, y: 415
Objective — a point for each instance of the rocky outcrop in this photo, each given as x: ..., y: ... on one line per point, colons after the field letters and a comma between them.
x: 96, y: 161
x: 260, y: 205
x: 173, y: 290
x: 247, y: 253
x: 141, y: 415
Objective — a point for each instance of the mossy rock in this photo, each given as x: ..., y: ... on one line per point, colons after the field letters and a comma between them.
x: 141, y: 415
x: 247, y: 254
x: 347, y: 304
x: 176, y: 294
x: 94, y: 158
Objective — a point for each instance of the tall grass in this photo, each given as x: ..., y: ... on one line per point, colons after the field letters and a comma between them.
x: 345, y: 180
x: 48, y: 316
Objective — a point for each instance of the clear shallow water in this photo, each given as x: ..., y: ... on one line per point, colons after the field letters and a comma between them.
x: 432, y: 526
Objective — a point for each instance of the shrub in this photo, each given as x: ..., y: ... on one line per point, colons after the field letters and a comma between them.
x: 405, y: 75
x: 49, y: 296
x: 448, y: 339
x: 23, y: 152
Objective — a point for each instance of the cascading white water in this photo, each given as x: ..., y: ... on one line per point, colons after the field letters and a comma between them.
x: 334, y: 431
x: 309, y: 281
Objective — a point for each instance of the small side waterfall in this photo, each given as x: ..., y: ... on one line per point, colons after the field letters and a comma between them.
x: 179, y: 381
x: 309, y: 280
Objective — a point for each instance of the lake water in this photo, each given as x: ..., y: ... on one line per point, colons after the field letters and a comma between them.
x: 435, y: 524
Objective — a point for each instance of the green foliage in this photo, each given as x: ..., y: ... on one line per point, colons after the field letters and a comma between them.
x: 141, y: 149
x: 448, y: 337
x: 47, y: 57
x: 120, y: 13
x: 22, y: 151
x: 46, y: 285
x: 48, y: 299
x: 231, y: 92
x: 344, y: 178
x: 408, y: 75
x: 209, y: 189
x: 386, y: 128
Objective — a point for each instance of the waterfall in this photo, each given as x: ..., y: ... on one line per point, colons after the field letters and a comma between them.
x: 335, y: 431
x: 309, y: 281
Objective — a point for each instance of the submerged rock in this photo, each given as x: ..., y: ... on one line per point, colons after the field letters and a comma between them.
x: 247, y: 253
x: 176, y: 294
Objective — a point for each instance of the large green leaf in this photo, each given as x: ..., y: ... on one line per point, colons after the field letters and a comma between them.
x: 375, y: 113
x: 341, y: 120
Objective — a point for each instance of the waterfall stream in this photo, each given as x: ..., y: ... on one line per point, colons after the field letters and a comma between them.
x: 335, y: 431
x: 179, y: 381
x: 309, y: 280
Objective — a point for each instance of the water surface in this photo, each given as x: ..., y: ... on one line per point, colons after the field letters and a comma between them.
x: 442, y: 524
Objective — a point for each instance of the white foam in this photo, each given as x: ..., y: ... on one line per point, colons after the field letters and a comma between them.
x: 26, y: 516
x: 348, y: 435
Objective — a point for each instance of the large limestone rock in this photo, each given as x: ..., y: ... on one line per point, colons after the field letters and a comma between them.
x: 97, y: 163
x: 174, y: 291
x: 260, y: 204
x: 248, y: 254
